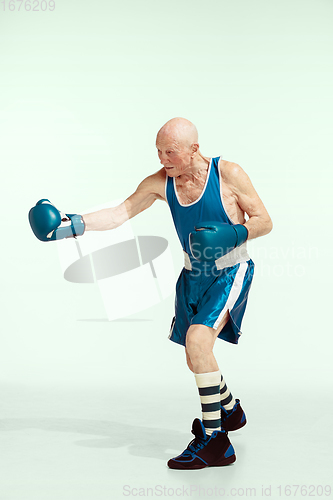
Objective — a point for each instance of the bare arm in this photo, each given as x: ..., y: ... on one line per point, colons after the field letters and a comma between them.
x: 140, y: 200
x: 259, y: 222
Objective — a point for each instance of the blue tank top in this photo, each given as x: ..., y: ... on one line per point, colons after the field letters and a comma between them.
x: 208, y: 207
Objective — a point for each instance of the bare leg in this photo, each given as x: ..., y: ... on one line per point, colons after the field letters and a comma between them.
x: 200, y: 340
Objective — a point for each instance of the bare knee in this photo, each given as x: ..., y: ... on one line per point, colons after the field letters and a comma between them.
x: 199, y: 342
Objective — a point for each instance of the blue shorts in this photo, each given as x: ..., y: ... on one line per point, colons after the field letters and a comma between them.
x: 204, y: 298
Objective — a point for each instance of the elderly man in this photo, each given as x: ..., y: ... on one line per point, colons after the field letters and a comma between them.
x: 208, y: 199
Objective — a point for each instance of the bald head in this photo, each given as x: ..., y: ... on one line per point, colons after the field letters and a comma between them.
x: 178, y: 148
x: 180, y: 131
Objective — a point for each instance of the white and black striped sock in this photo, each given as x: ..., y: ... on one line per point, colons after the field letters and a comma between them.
x: 209, y: 392
x: 227, y: 400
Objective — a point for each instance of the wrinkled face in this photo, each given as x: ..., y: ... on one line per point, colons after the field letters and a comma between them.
x: 174, y: 156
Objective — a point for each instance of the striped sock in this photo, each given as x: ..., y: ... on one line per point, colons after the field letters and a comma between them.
x: 209, y: 392
x: 227, y: 400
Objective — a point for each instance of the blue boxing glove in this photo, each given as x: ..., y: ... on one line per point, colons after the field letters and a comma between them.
x: 212, y: 240
x: 48, y: 224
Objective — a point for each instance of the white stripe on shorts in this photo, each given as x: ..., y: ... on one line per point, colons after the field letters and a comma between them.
x: 234, y: 292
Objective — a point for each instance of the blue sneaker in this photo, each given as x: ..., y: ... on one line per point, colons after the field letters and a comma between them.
x: 234, y: 419
x: 205, y: 451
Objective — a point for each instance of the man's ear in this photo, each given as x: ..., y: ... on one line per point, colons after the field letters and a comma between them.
x: 195, y: 147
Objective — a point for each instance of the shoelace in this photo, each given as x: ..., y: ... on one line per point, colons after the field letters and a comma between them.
x: 226, y: 413
x: 196, y: 444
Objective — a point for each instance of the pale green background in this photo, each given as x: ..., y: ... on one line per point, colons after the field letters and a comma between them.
x: 83, y: 91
